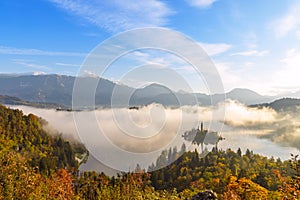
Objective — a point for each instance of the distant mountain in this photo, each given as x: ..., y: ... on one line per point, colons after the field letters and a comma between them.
x: 151, y: 90
x: 58, y: 89
x: 8, y: 100
x: 163, y: 95
x: 4, y: 99
x: 281, y: 105
x: 247, y: 96
x: 38, y: 88
x: 54, y: 88
x: 153, y: 93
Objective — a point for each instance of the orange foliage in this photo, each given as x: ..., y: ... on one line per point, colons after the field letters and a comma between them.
x: 244, y: 189
x: 60, y: 185
x: 290, y: 188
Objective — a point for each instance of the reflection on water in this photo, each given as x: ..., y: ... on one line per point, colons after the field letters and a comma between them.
x: 265, y: 147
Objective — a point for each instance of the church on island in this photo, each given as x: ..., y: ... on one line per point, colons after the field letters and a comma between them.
x: 201, y: 136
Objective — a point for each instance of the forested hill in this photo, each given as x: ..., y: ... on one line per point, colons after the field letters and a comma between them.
x: 36, y: 165
x: 231, y: 175
x: 24, y: 134
x: 281, y: 105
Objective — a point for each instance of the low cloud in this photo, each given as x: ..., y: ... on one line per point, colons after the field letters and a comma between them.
x: 239, y: 115
x: 153, y: 127
x: 282, y: 128
x: 148, y: 130
x: 286, y: 131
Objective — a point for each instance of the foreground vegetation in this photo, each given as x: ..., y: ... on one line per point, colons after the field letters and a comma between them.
x: 36, y: 165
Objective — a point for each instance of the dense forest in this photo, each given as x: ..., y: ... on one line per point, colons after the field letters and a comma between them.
x: 37, y: 165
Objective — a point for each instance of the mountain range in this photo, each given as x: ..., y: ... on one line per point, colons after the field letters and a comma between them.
x: 57, y: 90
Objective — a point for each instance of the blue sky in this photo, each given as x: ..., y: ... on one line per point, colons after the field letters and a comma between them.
x: 254, y: 44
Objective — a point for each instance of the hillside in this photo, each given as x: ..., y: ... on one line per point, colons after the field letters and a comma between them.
x: 36, y: 165
x: 26, y: 136
x: 281, y: 105
x: 33, y: 163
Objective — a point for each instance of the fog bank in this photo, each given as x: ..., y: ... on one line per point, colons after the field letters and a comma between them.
x: 124, y: 137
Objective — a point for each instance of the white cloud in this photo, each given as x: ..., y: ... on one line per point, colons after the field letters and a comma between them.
x: 115, y: 16
x: 288, y: 75
x: 67, y: 65
x: 244, y: 74
x: 169, y: 59
x: 38, y: 73
x: 287, y: 23
x: 32, y: 65
x: 36, y: 52
x: 292, y: 58
x: 249, y: 64
x: 214, y: 49
x: 152, y: 58
x: 230, y: 78
x: 133, y: 82
x: 251, y: 53
x: 201, y: 3
x: 89, y: 74
x: 238, y: 115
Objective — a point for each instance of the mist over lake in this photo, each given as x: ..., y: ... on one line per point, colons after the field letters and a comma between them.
x: 260, y: 130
